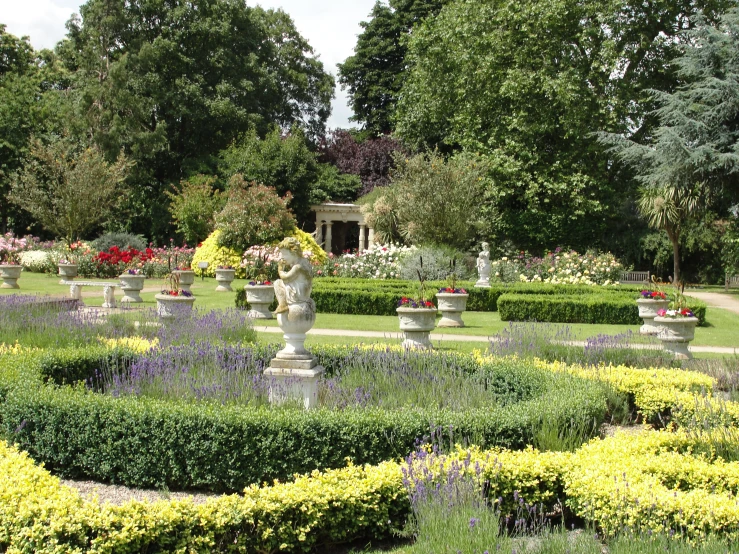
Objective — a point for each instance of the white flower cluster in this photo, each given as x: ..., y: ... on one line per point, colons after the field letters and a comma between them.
x: 35, y: 261
x: 380, y: 261
x: 558, y: 267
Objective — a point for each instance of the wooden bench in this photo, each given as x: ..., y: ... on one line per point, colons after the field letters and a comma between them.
x: 635, y: 277
x: 732, y: 282
x: 75, y: 291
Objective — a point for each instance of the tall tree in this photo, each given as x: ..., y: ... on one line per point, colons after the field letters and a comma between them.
x: 525, y: 83
x: 174, y: 82
x: 68, y: 189
x: 29, y: 83
x: 375, y: 73
x: 693, y: 153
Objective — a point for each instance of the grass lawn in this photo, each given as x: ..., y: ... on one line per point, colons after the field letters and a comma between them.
x: 722, y: 329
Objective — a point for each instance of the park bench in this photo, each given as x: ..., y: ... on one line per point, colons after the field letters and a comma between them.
x: 635, y: 277
x: 732, y: 282
x: 75, y: 291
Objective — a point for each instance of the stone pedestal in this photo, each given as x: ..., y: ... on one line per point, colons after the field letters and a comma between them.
x: 10, y: 273
x: 482, y: 284
x: 675, y: 334
x: 224, y: 278
x: 451, y: 305
x: 416, y: 324
x: 294, y: 379
x: 132, y: 285
x: 67, y: 272
x: 187, y: 278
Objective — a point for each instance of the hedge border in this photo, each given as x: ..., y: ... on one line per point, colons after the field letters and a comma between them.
x: 150, y: 443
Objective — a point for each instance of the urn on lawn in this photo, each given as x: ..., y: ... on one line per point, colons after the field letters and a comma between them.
x: 132, y: 283
x: 225, y: 274
x: 186, y: 277
x: 649, y: 303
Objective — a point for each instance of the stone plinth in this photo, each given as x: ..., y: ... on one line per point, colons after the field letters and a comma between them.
x: 294, y: 379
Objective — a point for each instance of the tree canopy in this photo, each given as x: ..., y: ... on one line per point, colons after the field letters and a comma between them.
x: 525, y: 84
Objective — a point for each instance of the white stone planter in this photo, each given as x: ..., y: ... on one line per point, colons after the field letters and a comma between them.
x: 648, y: 311
x: 131, y: 285
x: 451, y: 306
x: 224, y: 278
x: 416, y: 324
x: 260, y: 298
x: 67, y: 272
x: 187, y: 278
x: 676, y: 333
x: 295, y: 324
x: 10, y: 273
x: 174, y: 307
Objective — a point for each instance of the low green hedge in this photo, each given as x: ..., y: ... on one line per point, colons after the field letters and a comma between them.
x: 380, y: 297
x: 611, y: 309
x: 143, y: 442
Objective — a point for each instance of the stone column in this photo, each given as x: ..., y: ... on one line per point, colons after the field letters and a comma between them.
x: 319, y: 231
x: 329, y: 238
x: 361, y: 237
x: 371, y: 239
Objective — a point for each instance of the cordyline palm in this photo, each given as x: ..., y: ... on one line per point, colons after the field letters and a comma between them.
x: 669, y: 208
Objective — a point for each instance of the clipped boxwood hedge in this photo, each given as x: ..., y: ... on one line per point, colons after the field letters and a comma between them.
x: 144, y: 442
x: 614, y: 309
x: 380, y: 296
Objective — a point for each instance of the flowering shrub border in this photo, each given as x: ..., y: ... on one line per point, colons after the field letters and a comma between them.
x: 623, y: 482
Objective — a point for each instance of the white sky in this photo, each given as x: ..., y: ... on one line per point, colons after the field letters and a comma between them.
x: 331, y: 27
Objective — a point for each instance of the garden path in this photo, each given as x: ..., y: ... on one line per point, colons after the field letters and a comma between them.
x: 436, y: 337
x: 717, y: 300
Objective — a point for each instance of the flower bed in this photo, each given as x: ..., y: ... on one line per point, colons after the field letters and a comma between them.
x: 559, y: 267
x: 185, y: 444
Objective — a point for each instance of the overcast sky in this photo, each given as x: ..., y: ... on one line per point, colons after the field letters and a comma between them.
x: 331, y: 27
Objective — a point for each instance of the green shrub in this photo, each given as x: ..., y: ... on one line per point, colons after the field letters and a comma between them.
x: 193, y: 207
x: 435, y: 263
x: 151, y: 443
x: 253, y: 214
x: 124, y: 241
x: 613, y: 309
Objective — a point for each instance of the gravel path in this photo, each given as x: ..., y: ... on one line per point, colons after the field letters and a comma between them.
x: 717, y: 300
x: 118, y: 495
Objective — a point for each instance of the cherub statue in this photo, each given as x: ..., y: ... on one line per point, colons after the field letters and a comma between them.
x: 296, y: 276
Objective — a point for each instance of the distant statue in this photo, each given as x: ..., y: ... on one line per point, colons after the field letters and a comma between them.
x: 296, y: 276
x: 483, y: 266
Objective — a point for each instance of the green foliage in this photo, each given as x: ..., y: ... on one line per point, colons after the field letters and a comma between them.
x: 525, y: 84
x: 436, y: 263
x: 730, y: 249
x: 284, y: 163
x: 68, y: 189
x: 193, y: 207
x: 613, y: 309
x: 144, y: 443
x: 333, y: 186
x: 254, y: 214
x: 376, y: 72
x: 124, y: 241
x: 430, y: 201
x: 173, y: 86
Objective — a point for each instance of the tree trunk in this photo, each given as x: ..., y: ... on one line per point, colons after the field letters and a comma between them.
x: 675, y: 240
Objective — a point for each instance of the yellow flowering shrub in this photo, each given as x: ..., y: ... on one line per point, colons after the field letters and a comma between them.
x: 309, y: 244
x: 133, y: 344
x: 652, y: 481
x: 14, y: 348
x: 209, y: 251
x: 39, y: 515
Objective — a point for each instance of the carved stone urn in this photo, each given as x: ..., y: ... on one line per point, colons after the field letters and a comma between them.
x: 675, y: 333
x: 451, y: 305
x: 171, y: 308
x: 260, y: 297
x: 131, y: 285
x: 648, y: 311
x: 67, y: 272
x: 416, y: 324
x: 10, y: 273
x: 187, y: 278
x: 224, y: 278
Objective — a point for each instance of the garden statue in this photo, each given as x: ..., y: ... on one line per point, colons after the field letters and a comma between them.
x: 483, y: 266
x: 294, y: 370
x: 294, y: 286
